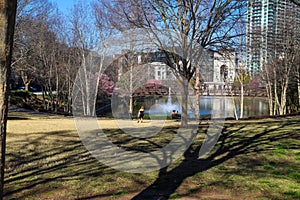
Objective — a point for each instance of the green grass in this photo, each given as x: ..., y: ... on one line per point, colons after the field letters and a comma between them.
x: 175, y: 196
x: 253, y: 160
x: 295, y: 176
x: 262, y: 181
x: 293, y: 194
x: 268, y: 167
x: 118, y: 193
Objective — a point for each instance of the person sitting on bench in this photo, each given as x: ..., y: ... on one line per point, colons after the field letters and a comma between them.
x: 175, y: 115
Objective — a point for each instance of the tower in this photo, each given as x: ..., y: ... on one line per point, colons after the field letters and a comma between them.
x: 268, y: 22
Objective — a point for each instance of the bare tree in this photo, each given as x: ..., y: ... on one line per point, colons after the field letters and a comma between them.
x: 103, y: 32
x: 71, y: 64
x: 117, y: 21
x: 189, y: 25
x: 278, y: 72
x: 296, y: 70
x: 32, y: 21
x: 241, y: 80
x: 62, y: 62
x: 89, y: 38
x: 295, y: 74
x: 7, y: 24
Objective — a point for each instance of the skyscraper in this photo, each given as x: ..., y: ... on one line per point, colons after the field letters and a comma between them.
x: 268, y: 23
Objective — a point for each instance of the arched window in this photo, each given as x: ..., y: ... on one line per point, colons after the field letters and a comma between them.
x: 224, y: 73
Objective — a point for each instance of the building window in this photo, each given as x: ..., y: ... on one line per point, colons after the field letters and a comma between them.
x: 224, y: 73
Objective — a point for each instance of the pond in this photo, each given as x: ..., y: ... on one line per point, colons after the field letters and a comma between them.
x: 253, y: 107
x: 212, y: 105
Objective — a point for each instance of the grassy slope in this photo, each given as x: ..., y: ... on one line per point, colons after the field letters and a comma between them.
x: 253, y: 160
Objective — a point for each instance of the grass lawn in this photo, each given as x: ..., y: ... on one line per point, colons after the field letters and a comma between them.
x: 252, y: 160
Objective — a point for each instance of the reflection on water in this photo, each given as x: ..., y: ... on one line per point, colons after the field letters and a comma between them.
x: 217, y: 106
x: 252, y: 106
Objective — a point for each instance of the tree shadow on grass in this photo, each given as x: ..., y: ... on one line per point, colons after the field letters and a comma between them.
x: 231, y: 144
x: 42, y: 158
x: 17, y: 118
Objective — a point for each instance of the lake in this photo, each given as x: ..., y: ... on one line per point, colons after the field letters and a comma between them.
x: 217, y: 106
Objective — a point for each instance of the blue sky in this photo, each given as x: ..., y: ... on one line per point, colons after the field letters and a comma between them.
x: 66, y: 5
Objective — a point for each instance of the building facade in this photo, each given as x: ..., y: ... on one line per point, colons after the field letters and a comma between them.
x: 217, y: 69
x: 220, y: 69
x: 268, y: 22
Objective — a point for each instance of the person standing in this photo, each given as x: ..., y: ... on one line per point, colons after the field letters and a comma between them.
x: 141, y: 114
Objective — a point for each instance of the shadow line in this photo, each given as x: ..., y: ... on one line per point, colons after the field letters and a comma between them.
x: 168, y: 181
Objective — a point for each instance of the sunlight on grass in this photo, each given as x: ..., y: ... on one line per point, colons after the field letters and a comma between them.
x: 253, y: 160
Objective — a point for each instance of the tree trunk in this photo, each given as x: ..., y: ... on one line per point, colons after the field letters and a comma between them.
x: 26, y: 81
x: 69, y: 85
x: 242, y: 100
x: 7, y: 23
x: 197, y: 88
x: 69, y: 96
x: 269, y: 91
x: 298, y: 94
x: 27, y: 86
x: 49, y: 90
x: 87, y: 88
x: 131, y: 86
x: 184, y: 103
x: 298, y: 85
x: 98, y: 81
x: 275, y: 95
x: 282, y: 108
x: 234, y: 108
x: 270, y: 98
x: 57, y: 90
x: 44, y: 98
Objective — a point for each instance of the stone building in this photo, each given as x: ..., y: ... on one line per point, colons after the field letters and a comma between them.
x: 217, y: 69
